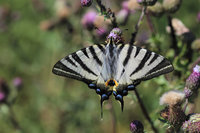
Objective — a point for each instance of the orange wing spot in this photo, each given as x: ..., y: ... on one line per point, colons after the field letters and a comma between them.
x: 111, y: 80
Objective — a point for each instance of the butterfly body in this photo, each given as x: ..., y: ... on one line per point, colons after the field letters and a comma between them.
x: 112, y: 68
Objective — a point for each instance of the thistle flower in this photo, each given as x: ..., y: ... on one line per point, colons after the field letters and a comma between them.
x: 156, y: 10
x: 147, y: 2
x: 17, y: 82
x: 88, y: 20
x: 178, y: 26
x: 136, y: 127
x: 62, y: 10
x: 86, y: 3
x: 171, y: 6
x: 122, y: 16
x: 192, y: 125
x: 116, y: 35
x: 193, y: 80
x: 198, y: 17
x: 133, y: 5
x: 101, y: 32
x: 4, y: 91
x: 187, y: 92
x: 172, y: 98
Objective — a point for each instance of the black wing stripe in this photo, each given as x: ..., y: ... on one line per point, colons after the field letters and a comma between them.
x: 80, y: 62
x: 62, y: 70
x: 95, y: 55
x: 137, y: 51
x: 130, y: 49
x: 101, y: 48
x: 85, y: 52
x: 153, y: 59
x: 120, y: 48
x: 70, y: 61
x: 163, y: 67
x: 59, y: 65
x: 142, y: 63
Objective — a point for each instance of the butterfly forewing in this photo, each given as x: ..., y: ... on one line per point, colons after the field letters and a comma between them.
x: 84, y: 65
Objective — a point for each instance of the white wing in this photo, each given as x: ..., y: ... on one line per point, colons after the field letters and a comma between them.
x: 84, y: 65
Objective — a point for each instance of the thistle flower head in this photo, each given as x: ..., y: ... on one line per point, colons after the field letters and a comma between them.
x: 122, y: 16
x: 147, y: 2
x: 172, y: 98
x: 192, y: 125
x: 193, y: 81
x: 4, y: 91
x: 156, y: 10
x: 17, y: 82
x: 89, y: 19
x: 198, y: 17
x: 116, y: 35
x: 179, y: 27
x: 136, y: 127
x: 171, y: 6
x: 86, y: 3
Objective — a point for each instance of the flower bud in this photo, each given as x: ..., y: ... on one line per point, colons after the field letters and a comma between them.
x: 86, y: 3
x: 156, y: 10
x: 171, y: 6
x: 196, y: 44
x: 193, y: 81
x: 4, y: 91
x: 147, y: 2
x: 136, y: 127
x: 88, y: 20
x: 192, y: 125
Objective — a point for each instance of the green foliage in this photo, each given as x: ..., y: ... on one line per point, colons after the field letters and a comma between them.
x: 50, y: 104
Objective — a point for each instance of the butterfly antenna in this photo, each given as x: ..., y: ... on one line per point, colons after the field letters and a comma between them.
x: 122, y: 104
x: 101, y: 108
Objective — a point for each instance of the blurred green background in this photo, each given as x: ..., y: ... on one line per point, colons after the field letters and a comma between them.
x: 47, y: 103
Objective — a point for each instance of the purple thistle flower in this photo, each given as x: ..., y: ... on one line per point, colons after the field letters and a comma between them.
x: 122, y: 16
x: 86, y: 3
x: 193, y: 80
x: 101, y: 32
x: 125, y: 5
x: 136, y: 127
x: 17, y: 82
x: 198, y: 17
x: 88, y: 20
x: 115, y: 34
x: 4, y: 91
x: 192, y: 125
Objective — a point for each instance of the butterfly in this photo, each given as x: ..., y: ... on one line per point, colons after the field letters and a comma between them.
x: 112, y: 68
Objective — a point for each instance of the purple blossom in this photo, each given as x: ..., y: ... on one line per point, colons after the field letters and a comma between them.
x: 115, y: 34
x: 17, y: 82
x: 125, y: 5
x: 193, y: 80
x: 101, y: 32
x: 193, y: 124
x: 88, y: 20
x: 86, y: 2
x: 198, y: 17
x: 4, y: 91
x: 136, y: 127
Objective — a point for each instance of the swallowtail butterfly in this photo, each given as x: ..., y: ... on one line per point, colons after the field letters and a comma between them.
x: 112, y: 68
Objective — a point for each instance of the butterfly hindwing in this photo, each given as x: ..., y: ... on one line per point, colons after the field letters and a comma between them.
x: 84, y: 65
